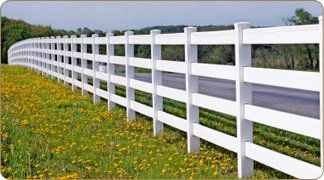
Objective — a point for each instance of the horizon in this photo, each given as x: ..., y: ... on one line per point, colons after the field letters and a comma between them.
x: 93, y: 15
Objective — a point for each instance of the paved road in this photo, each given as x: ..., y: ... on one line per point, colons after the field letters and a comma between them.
x: 294, y: 101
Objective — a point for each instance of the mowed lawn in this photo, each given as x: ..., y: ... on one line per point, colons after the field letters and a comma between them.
x: 49, y: 131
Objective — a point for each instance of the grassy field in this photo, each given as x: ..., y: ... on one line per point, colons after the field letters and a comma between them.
x: 49, y: 131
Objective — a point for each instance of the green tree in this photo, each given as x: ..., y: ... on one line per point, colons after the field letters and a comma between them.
x: 303, y: 17
x: 13, y: 31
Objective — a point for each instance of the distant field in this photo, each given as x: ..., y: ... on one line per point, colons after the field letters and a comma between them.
x: 49, y: 131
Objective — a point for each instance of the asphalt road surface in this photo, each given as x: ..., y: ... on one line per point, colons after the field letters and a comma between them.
x: 299, y: 102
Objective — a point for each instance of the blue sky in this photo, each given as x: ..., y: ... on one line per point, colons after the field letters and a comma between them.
x: 109, y: 16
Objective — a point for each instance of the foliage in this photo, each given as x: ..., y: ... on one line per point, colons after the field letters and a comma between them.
x: 300, y: 57
x: 301, y: 17
x: 13, y: 31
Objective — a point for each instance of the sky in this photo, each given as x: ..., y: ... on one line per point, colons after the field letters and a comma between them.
x: 108, y: 16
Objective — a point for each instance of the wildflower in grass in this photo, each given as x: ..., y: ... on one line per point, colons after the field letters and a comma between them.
x: 5, y: 135
x: 67, y: 137
x: 88, y: 168
x: 25, y: 122
x: 164, y: 171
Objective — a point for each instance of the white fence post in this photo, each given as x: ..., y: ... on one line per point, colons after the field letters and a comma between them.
x: 52, y: 56
x: 156, y: 80
x: 44, y: 56
x: 56, y: 59
x: 59, y: 59
x: 65, y: 49
x: 110, y: 70
x: 95, y: 68
x: 42, y: 45
x: 56, y: 69
x: 243, y: 96
x: 35, y: 55
x: 31, y: 60
x: 321, y: 69
x: 31, y: 53
x: 47, y: 55
x: 39, y: 55
x: 191, y: 55
x: 130, y: 93
x: 24, y: 55
x: 24, y: 51
x: 73, y: 62
x: 84, y: 64
x: 27, y: 55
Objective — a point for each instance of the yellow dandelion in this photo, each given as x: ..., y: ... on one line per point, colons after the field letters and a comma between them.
x: 25, y: 122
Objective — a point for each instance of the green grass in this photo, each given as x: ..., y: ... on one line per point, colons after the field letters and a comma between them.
x: 49, y: 131
x: 136, y: 70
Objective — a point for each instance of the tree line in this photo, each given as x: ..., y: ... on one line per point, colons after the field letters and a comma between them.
x: 294, y: 57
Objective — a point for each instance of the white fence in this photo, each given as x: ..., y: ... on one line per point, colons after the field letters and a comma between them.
x: 50, y: 56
